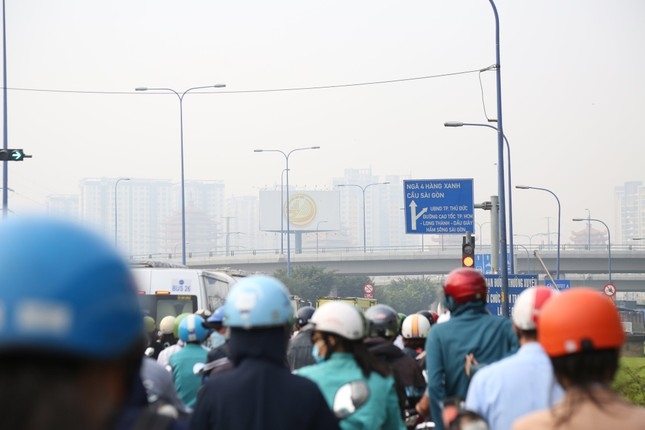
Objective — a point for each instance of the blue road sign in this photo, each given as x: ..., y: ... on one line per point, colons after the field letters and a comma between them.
x: 438, y: 206
x: 562, y: 284
x: 483, y: 263
x: 516, y: 284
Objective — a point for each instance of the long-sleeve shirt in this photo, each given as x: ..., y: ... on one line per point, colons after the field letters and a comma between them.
x: 513, y: 387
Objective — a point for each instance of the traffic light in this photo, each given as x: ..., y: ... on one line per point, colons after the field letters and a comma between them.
x: 13, y: 155
x: 468, y: 251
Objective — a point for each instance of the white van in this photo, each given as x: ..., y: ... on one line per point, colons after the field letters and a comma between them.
x: 171, y: 290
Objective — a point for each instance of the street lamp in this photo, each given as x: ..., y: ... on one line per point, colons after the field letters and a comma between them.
x: 510, y: 186
x: 481, y: 230
x: 363, y: 188
x: 528, y: 258
x: 116, y: 212
x: 317, y: 229
x: 180, y: 96
x: 608, y: 238
x: 526, y: 187
x: 286, y: 169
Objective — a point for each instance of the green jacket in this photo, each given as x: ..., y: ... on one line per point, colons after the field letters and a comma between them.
x: 470, y: 329
x: 382, y: 408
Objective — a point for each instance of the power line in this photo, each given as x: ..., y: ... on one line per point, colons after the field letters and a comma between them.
x: 261, y: 90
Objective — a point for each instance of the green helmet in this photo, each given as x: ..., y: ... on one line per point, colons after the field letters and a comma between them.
x: 175, y: 326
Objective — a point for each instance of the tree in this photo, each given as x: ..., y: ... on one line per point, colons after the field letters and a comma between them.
x: 311, y: 282
x: 409, y: 295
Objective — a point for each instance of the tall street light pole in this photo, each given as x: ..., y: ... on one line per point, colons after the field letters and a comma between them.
x: 363, y: 188
x: 286, y: 169
x: 116, y: 212
x: 608, y: 239
x: 510, y: 186
x: 180, y: 96
x: 526, y: 187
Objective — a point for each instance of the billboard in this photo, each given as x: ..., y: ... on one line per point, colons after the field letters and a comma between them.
x: 309, y: 211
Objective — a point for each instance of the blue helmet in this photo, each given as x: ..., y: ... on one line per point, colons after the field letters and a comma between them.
x: 258, y: 301
x: 64, y: 289
x: 191, y: 329
x: 217, y: 317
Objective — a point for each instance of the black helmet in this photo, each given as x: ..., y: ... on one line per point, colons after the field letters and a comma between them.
x: 303, y: 315
x: 428, y: 315
x: 383, y: 321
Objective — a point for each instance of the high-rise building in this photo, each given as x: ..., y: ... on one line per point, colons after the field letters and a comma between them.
x: 629, y: 201
x: 143, y: 216
x: 64, y: 206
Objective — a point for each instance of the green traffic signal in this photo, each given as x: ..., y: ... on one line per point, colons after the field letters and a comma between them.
x: 13, y: 155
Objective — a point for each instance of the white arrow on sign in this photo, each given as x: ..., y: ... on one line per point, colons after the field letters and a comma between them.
x: 414, y: 216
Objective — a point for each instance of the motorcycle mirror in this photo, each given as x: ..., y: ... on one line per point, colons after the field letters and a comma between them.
x: 349, y: 398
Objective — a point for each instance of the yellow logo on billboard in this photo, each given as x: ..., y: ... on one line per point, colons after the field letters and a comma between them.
x: 302, y: 209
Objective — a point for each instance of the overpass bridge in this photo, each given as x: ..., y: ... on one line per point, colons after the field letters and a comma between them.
x: 581, y: 267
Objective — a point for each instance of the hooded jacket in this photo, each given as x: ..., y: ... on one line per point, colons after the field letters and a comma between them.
x: 260, y: 392
x: 470, y: 329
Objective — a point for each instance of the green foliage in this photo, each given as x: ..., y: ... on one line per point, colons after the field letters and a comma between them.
x: 630, y: 379
x: 311, y: 282
x: 409, y: 295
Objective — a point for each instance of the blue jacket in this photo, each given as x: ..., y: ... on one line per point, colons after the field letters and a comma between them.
x: 382, y: 408
x: 260, y: 392
x: 470, y: 329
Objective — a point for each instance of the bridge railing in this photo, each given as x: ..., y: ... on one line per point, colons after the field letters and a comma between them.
x: 357, y: 251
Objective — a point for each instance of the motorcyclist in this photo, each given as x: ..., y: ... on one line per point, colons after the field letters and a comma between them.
x: 72, y: 336
x: 383, y: 329
x: 260, y: 392
x: 299, y: 349
x: 182, y: 362
x: 338, y: 330
x: 470, y: 330
x: 581, y: 331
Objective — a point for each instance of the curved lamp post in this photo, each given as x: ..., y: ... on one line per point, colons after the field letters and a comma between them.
x: 286, y: 169
x: 510, y: 186
x: 116, y: 212
x: 608, y: 239
x: 180, y: 96
x: 363, y: 188
x: 526, y: 187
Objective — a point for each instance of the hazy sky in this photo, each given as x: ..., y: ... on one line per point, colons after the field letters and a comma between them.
x: 572, y: 87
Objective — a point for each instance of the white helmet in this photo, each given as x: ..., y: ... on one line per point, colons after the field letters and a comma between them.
x: 339, y: 318
x: 167, y: 324
x: 528, y: 306
x: 415, y: 326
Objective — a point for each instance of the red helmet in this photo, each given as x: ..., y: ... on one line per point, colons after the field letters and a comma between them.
x: 578, y: 320
x: 465, y: 285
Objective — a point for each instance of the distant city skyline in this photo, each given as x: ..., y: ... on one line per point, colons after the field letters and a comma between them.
x: 220, y: 225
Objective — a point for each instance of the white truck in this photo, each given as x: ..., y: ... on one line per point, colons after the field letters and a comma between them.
x: 166, y: 289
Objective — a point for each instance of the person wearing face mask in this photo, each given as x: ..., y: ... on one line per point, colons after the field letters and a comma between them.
x: 337, y: 333
x: 217, y: 359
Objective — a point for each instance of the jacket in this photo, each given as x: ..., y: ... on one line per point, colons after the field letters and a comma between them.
x: 299, y: 350
x: 260, y: 392
x: 408, y: 377
x: 470, y: 329
x: 381, y: 410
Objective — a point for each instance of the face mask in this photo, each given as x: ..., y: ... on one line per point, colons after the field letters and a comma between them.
x: 217, y: 339
x: 315, y: 353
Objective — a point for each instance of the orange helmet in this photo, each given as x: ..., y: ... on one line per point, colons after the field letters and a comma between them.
x: 578, y: 320
x: 465, y: 285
